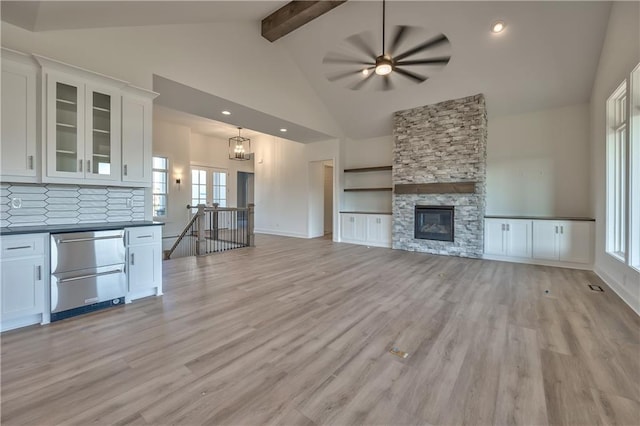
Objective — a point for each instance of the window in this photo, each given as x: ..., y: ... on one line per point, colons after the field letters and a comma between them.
x: 617, y: 172
x: 220, y: 188
x: 198, y: 187
x: 159, y: 186
x: 634, y: 168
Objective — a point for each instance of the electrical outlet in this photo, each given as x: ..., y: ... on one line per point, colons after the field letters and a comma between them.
x: 16, y: 203
x: 129, y: 203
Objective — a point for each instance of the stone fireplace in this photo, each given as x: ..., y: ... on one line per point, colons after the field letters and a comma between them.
x: 439, y: 162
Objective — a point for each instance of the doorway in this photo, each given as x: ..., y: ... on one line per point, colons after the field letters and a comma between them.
x: 245, y: 194
x: 321, y: 198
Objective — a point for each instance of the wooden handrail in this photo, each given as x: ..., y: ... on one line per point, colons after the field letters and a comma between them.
x: 181, y: 236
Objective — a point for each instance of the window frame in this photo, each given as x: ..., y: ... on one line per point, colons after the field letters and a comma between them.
x: 634, y: 169
x: 166, y: 184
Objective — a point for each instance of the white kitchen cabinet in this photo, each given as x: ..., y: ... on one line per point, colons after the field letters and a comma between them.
x: 18, y: 150
x: 144, y: 261
x: 564, y: 241
x: 507, y: 237
x: 136, y: 136
x: 23, y: 277
x: 82, y: 129
x: 379, y: 230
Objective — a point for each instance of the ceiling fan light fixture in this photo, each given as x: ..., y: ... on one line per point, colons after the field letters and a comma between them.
x: 384, y: 66
x: 498, y: 27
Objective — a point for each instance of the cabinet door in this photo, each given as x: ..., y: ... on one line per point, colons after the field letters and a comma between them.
x: 378, y: 229
x: 136, y: 140
x: 65, y: 127
x: 348, y: 226
x: 18, y: 148
x: 102, y: 140
x: 22, y: 287
x: 494, y: 236
x: 144, y: 266
x: 575, y: 241
x: 545, y: 239
x: 518, y: 238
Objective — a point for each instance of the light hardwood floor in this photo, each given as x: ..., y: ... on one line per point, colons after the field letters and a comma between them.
x: 298, y: 332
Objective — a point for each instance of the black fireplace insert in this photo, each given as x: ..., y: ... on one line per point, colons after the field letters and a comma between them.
x: 434, y: 223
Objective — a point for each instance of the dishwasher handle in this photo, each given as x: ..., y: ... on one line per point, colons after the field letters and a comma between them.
x: 84, y: 277
x: 78, y: 240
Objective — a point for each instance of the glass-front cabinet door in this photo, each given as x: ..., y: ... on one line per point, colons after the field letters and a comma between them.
x: 83, y: 129
x: 65, y: 127
x: 102, y: 155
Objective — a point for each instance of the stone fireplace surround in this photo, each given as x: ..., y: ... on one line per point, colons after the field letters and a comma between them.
x: 443, y: 144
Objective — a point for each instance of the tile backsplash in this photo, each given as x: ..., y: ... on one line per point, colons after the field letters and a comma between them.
x: 54, y: 204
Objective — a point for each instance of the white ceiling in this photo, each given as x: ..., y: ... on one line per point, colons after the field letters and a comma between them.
x: 546, y: 57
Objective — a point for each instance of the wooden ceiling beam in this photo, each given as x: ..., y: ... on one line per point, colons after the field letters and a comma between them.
x: 294, y: 15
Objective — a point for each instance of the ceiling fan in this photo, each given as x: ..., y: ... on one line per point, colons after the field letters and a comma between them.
x: 387, y: 62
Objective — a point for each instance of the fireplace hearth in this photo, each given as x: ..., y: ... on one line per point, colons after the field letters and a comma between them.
x: 434, y: 223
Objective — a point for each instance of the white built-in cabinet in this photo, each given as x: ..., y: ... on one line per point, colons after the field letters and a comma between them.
x: 82, y: 128
x: 144, y: 261
x: 64, y: 124
x: 366, y: 228
x: 508, y: 237
x: 19, y: 149
x: 24, y: 274
x: 136, y: 136
x: 566, y: 243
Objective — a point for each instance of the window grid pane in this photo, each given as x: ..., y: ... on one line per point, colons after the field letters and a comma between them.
x: 159, y: 187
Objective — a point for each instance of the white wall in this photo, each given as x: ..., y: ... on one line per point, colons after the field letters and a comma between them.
x: 620, y: 54
x: 282, y: 193
x: 539, y: 163
x: 173, y: 141
x: 243, y: 68
x: 367, y: 153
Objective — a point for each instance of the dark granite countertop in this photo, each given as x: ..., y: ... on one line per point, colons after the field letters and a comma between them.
x: 78, y: 227
x: 588, y: 219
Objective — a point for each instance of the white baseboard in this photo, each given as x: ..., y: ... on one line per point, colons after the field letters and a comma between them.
x: 530, y: 261
x: 367, y: 243
x: 280, y: 233
x: 619, y: 289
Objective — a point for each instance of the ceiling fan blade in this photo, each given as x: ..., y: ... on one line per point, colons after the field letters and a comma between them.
x: 401, y: 32
x: 386, y: 82
x: 433, y: 61
x: 410, y: 75
x: 361, y: 83
x: 342, y: 75
x: 346, y: 61
x: 422, y: 47
x: 358, y: 42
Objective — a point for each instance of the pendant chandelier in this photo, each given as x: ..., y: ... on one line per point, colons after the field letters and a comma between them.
x: 239, y: 147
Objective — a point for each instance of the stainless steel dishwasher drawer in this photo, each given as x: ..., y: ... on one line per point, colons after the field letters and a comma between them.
x: 88, y: 287
x: 83, y: 250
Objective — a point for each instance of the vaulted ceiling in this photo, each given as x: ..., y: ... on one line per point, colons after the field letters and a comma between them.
x: 546, y: 57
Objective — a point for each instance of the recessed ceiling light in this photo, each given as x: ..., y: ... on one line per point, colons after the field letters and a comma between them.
x: 226, y: 112
x: 365, y: 71
x: 498, y: 27
x: 283, y: 130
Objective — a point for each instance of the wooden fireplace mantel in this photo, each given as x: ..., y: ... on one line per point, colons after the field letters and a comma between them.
x: 436, y: 188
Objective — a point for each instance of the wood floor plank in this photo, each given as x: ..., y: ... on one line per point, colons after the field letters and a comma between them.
x: 298, y: 332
